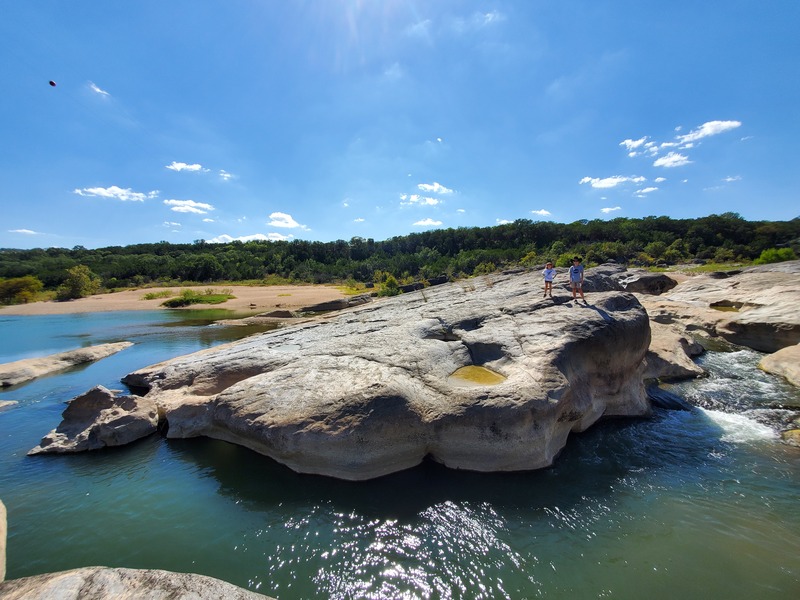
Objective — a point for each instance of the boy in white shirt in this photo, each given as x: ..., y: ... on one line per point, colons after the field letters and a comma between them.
x: 549, y: 274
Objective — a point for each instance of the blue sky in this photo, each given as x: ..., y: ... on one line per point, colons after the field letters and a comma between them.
x: 329, y: 119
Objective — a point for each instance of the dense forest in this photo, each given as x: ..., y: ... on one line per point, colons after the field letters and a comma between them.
x: 419, y: 256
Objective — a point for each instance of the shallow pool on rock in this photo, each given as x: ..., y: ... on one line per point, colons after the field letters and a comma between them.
x: 475, y: 375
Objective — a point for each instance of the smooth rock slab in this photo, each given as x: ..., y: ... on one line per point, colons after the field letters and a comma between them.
x: 368, y: 392
x: 98, y: 419
x: 103, y: 583
x: 785, y: 362
x: 21, y: 371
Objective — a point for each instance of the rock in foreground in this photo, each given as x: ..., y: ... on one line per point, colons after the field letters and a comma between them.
x: 98, y: 419
x: 103, y: 583
x: 370, y: 391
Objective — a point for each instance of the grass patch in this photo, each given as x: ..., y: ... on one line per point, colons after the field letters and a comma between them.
x: 189, y: 297
x: 156, y: 295
x: 711, y: 267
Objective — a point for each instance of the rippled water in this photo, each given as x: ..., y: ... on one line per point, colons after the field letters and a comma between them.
x: 693, y: 504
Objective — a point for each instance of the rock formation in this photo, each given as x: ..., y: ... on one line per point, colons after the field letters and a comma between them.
x: 369, y: 391
x: 103, y: 583
x: 756, y: 307
x: 98, y: 419
x: 20, y: 371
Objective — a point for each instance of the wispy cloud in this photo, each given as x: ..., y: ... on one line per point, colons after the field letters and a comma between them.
x: 358, y: 220
x: 434, y: 188
x: 673, y: 159
x: 610, y: 182
x: 647, y: 190
x: 427, y: 223
x: 189, y: 206
x: 97, y: 90
x: 731, y: 179
x: 171, y: 224
x: 416, y: 199
x: 182, y: 166
x: 503, y: 221
x: 541, y: 212
x: 117, y: 193
x: 24, y: 231
x: 610, y: 210
x: 279, y: 219
x: 224, y: 175
x: 270, y: 237
x: 708, y: 129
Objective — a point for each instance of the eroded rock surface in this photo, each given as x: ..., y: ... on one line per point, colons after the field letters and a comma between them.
x: 756, y: 308
x: 369, y: 392
x: 103, y: 583
x: 98, y: 419
x: 20, y: 371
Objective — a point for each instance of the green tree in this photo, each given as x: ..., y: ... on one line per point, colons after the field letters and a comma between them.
x: 80, y: 282
x: 19, y: 290
x: 773, y: 255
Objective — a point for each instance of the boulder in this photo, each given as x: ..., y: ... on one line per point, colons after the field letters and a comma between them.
x: 100, y: 418
x: 644, y: 282
x: 670, y: 354
x: 338, y: 304
x: 20, y: 371
x: 784, y: 362
x: 369, y: 392
x: 102, y: 583
x: 791, y: 437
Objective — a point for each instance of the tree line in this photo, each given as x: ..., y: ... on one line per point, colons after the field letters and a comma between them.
x: 450, y: 253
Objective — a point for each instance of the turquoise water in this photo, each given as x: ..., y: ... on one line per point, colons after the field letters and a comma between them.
x: 699, y: 504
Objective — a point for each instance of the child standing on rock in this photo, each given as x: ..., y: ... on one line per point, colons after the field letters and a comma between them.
x: 576, y: 278
x: 549, y: 274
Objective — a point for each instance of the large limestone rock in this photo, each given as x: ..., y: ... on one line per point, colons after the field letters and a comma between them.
x: 20, y: 371
x: 103, y: 583
x: 670, y: 355
x: 785, y: 362
x: 98, y: 419
x: 370, y: 391
x: 756, y: 308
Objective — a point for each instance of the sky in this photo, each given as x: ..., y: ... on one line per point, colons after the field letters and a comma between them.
x: 333, y: 119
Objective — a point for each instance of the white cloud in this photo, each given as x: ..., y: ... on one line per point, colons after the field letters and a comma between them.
x: 207, y: 220
x: 393, y: 72
x: 279, y: 219
x: 647, y: 190
x: 435, y: 188
x: 660, y: 179
x: 358, y: 220
x: 673, y: 159
x: 708, y: 129
x: 610, y: 182
x: 541, y: 212
x: 24, y: 231
x: 503, y: 221
x: 427, y: 223
x: 189, y: 206
x: 97, y: 90
x: 416, y: 199
x: 419, y: 29
x: 171, y: 224
x: 224, y: 175
x: 278, y: 237
x: 609, y: 210
x: 730, y: 179
x: 182, y: 166
x: 633, y: 144
x: 118, y: 193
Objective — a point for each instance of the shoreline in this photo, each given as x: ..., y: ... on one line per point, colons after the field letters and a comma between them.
x: 248, y: 298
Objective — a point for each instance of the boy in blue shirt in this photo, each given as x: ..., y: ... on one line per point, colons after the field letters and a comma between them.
x: 576, y: 278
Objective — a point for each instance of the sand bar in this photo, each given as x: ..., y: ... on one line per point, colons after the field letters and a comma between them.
x: 248, y: 299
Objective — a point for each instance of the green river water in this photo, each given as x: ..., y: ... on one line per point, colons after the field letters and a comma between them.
x: 699, y: 504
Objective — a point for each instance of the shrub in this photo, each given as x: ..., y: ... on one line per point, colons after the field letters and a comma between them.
x: 773, y: 255
x: 390, y: 287
x: 79, y: 283
x: 19, y: 290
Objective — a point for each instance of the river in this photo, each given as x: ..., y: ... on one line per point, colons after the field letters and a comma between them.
x: 697, y: 504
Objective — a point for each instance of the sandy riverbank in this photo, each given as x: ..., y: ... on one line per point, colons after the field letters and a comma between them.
x: 248, y: 298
